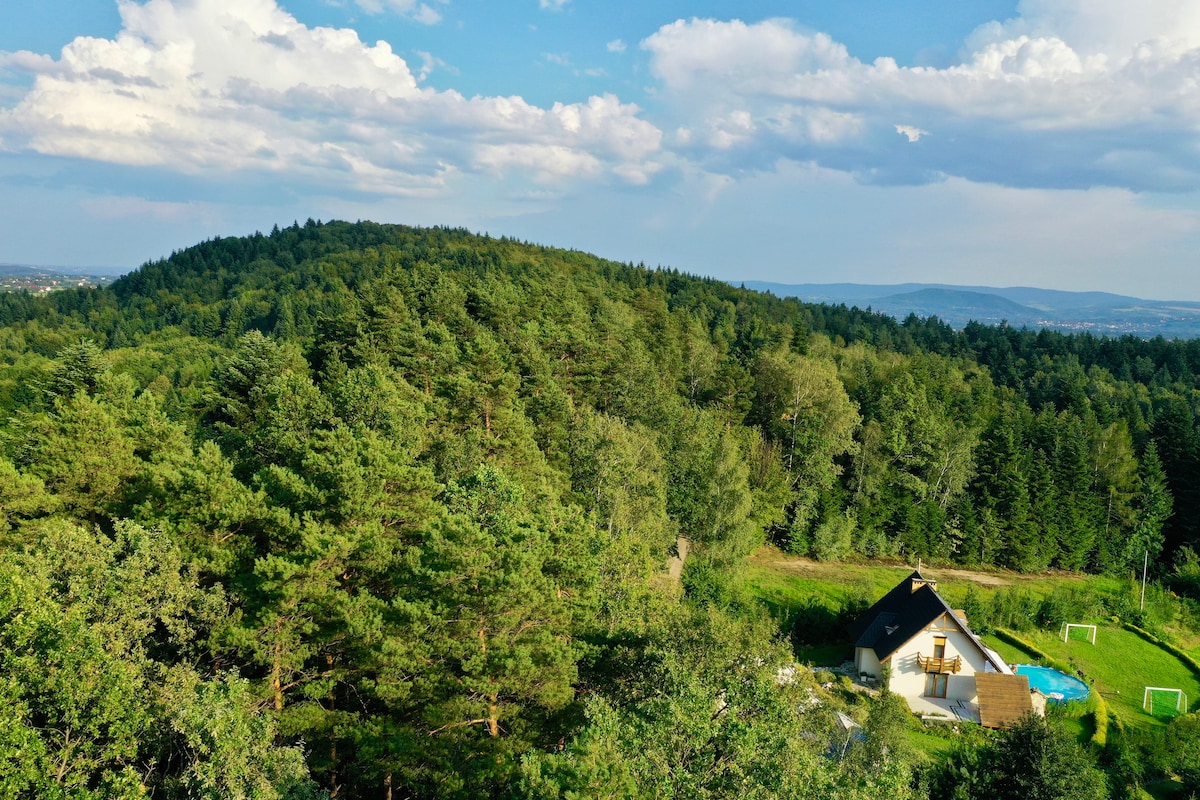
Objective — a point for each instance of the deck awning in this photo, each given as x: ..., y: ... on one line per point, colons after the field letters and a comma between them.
x: 1003, y: 699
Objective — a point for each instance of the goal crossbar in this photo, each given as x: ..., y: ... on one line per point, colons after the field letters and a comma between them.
x: 1181, y: 701
x: 1066, y: 632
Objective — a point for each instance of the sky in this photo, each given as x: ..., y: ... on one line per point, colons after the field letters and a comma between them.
x: 1048, y: 143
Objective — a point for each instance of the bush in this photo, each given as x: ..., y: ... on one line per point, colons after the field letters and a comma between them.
x: 1067, y: 604
x: 813, y: 623
x: 1014, y: 608
x: 1183, y: 743
x: 979, y: 613
x: 1133, y: 757
x: 1034, y: 759
x: 1159, y: 608
x: 833, y: 538
x: 1185, y: 577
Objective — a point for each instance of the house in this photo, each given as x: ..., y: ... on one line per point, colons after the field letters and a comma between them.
x: 930, y: 656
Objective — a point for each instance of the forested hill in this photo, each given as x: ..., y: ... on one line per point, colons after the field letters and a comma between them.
x: 412, y: 492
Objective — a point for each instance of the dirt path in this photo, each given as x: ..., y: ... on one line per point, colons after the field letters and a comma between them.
x: 782, y: 562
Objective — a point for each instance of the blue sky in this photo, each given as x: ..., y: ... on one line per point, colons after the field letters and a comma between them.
x: 1050, y: 143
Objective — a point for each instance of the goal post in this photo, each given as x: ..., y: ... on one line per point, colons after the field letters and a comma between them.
x: 1161, y: 700
x: 1090, y: 629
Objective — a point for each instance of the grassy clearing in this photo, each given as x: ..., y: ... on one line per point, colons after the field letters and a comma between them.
x: 1120, y: 665
x: 785, y: 582
x: 936, y: 744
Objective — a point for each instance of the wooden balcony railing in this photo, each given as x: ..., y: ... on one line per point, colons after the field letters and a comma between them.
x: 932, y: 664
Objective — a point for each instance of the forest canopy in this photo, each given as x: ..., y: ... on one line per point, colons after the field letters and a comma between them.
x: 401, y: 502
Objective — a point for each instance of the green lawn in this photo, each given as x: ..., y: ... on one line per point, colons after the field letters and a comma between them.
x: 785, y: 584
x: 1120, y: 666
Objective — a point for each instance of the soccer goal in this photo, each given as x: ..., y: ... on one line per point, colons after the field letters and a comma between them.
x: 1164, y: 701
x: 1089, y: 631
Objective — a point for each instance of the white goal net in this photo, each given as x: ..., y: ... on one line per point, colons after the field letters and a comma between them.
x: 1089, y: 631
x: 1164, y: 701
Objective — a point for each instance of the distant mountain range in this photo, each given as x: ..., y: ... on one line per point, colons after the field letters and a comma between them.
x: 1100, y: 313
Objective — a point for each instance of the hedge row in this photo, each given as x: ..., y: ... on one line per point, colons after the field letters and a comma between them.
x: 1101, y: 716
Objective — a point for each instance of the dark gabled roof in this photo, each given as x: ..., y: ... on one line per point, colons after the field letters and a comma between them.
x: 893, y: 603
x: 903, y: 613
x: 876, y: 629
x: 924, y: 607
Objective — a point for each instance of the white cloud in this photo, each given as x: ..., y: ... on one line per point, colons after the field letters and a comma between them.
x: 552, y: 5
x: 429, y: 63
x: 204, y: 86
x: 1090, y: 27
x: 1073, y: 93
x: 913, y: 134
x: 615, y: 46
x: 413, y: 9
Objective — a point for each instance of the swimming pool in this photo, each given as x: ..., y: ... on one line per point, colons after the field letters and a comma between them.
x: 1054, y: 684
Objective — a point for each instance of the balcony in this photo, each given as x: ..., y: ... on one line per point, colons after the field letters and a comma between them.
x: 940, y: 665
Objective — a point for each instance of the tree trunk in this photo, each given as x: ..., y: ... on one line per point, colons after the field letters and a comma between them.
x: 277, y: 673
x: 493, y: 721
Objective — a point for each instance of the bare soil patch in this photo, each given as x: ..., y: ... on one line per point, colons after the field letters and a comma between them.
x: 776, y: 559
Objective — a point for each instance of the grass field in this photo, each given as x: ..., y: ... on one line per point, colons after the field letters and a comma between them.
x: 785, y: 582
x: 1120, y: 665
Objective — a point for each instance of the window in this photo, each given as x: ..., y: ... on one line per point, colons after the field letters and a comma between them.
x: 935, y: 684
x: 939, y: 647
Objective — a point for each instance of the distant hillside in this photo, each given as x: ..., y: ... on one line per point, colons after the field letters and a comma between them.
x: 1101, y: 313
x: 932, y: 302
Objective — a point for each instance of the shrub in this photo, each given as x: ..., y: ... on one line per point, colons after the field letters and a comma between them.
x: 1185, y: 577
x: 1014, y: 608
x: 1067, y: 604
x: 814, y: 623
x: 980, y: 615
x: 1183, y: 742
x: 832, y: 539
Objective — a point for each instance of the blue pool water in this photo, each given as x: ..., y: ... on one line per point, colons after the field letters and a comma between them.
x: 1053, y: 684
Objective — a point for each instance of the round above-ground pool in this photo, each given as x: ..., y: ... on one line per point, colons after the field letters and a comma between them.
x: 1054, y: 684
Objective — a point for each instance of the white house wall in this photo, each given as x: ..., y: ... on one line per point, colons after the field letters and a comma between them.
x: 908, y: 679
x: 866, y: 662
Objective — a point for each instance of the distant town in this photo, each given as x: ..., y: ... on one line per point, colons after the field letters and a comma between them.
x: 40, y: 280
